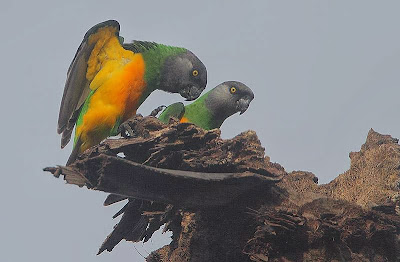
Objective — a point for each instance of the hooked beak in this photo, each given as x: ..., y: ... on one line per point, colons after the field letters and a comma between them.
x: 242, y: 104
x: 191, y: 92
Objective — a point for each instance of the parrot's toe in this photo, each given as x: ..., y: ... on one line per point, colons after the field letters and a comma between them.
x: 155, y: 112
x: 126, y: 130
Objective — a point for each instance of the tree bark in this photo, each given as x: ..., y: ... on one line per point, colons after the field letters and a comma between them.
x: 228, y: 202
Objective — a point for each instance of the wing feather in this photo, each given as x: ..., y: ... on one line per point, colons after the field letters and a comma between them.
x: 76, y: 88
x: 176, y: 110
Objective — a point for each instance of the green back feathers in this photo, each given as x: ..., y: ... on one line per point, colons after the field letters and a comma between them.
x: 154, y: 59
x: 176, y: 110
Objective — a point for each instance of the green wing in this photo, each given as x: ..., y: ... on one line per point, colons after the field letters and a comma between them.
x: 176, y: 110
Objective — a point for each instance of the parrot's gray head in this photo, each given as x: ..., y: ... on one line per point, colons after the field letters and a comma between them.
x: 229, y: 98
x: 184, y: 74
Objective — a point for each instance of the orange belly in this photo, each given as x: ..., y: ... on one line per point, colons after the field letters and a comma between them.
x: 115, y: 100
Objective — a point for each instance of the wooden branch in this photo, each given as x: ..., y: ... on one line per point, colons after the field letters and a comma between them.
x: 225, y: 201
x: 177, y: 164
x: 181, y: 188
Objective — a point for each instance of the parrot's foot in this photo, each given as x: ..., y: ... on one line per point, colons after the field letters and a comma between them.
x: 126, y: 130
x: 157, y: 110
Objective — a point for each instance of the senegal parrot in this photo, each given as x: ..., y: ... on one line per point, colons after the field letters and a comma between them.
x: 211, y: 109
x: 108, y: 80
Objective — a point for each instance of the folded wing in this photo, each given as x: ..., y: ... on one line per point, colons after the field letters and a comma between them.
x: 84, y: 67
x: 176, y: 110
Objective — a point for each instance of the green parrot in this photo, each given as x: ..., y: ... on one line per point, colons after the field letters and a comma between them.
x: 108, y: 80
x: 211, y: 109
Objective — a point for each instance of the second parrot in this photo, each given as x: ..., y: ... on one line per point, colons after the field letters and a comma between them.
x: 211, y: 109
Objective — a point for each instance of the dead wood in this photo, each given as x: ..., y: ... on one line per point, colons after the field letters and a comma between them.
x: 228, y: 202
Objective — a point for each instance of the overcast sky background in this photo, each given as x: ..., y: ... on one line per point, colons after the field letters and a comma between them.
x: 323, y: 74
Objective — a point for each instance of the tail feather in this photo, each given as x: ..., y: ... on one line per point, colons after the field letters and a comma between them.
x: 69, y: 127
x: 75, y: 152
x: 66, y: 136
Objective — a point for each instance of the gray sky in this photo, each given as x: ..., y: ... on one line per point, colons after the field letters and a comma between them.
x: 323, y: 74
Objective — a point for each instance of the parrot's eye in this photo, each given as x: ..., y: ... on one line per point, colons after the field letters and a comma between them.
x: 233, y: 89
x: 195, y: 73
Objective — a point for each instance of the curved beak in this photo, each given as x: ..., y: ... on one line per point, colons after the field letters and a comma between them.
x: 243, y: 104
x: 191, y: 92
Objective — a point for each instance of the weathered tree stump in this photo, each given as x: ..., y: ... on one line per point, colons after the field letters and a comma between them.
x: 228, y: 202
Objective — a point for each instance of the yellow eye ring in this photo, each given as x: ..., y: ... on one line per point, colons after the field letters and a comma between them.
x: 233, y: 89
x: 195, y: 73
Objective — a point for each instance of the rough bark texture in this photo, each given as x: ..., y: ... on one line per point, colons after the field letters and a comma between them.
x: 255, y: 211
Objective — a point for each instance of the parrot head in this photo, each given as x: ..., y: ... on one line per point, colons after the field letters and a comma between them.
x: 229, y: 98
x: 184, y: 74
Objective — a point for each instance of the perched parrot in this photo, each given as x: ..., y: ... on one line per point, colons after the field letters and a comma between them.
x: 211, y: 109
x: 108, y: 80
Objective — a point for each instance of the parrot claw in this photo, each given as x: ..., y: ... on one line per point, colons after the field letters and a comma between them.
x: 157, y: 110
x: 126, y: 130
